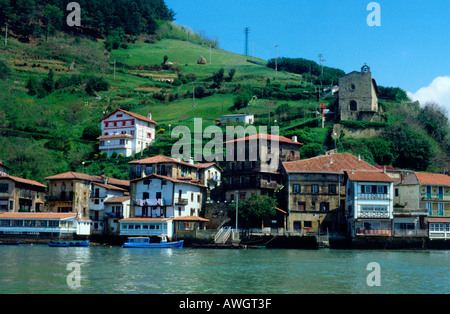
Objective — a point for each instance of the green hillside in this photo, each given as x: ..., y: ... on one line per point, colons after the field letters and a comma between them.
x: 56, y: 91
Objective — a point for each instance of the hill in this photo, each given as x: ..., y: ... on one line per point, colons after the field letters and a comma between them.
x: 56, y: 91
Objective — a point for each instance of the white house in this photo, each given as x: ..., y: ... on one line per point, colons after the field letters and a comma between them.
x: 116, y: 208
x: 100, y: 193
x: 237, y: 118
x: 157, y: 201
x: 370, y: 197
x: 43, y: 226
x: 126, y: 133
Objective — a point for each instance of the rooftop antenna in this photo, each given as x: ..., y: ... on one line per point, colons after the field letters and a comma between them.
x: 321, y: 61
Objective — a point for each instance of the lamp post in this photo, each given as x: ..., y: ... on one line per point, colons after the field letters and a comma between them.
x: 237, y: 201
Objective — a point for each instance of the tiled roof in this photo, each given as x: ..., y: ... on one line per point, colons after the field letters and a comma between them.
x: 38, y: 215
x: 160, y: 159
x: 369, y: 176
x: 432, y: 178
x: 266, y: 137
x: 191, y: 218
x: 335, y: 163
x: 169, y: 179
x: 109, y: 187
x: 137, y: 116
x: 25, y: 181
x: 114, y: 136
x: 117, y: 199
x: 88, y: 177
x: 145, y: 219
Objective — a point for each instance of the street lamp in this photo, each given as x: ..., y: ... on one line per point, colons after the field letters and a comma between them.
x: 237, y: 201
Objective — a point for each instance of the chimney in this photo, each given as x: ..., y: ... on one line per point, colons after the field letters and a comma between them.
x: 353, y: 170
x: 191, y: 160
x: 294, y: 139
x: 149, y: 116
x: 331, y: 160
x: 384, y: 169
x: 359, y: 157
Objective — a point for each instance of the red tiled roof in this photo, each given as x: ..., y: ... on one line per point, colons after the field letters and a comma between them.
x: 169, y: 179
x: 25, y: 181
x: 266, y: 137
x: 432, y: 178
x: 117, y: 199
x: 114, y: 136
x: 335, y: 163
x: 387, y: 168
x: 38, y: 215
x: 160, y: 159
x: 145, y: 219
x: 137, y: 116
x: 369, y: 176
x: 109, y: 187
x: 191, y: 218
x: 88, y: 177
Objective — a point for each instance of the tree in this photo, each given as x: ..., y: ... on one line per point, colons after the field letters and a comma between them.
x: 241, y: 101
x: 218, y: 78
x: 254, y: 209
x: 4, y: 70
x: 231, y: 74
x: 54, y: 16
x: 435, y: 121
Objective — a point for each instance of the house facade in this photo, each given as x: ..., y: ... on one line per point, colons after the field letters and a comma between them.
x: 237, y: 118
x: 116, y: 208
x: 70, y: 192
x: 370, y: 197
x: 248, y: 175
x: 21, y: 195
x: 429, y: 194
x: 158, y: 201
x: 126, y: 133
x: 315, y: 191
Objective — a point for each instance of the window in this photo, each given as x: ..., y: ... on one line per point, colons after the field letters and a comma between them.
x: 430, y: 208
x: 4, y: 187
x: 307, y: 224
x: 314, y: 188
x: 396, y: 192
x: 301, y: 206
x: 353, y: 105
x: 296, y: 188
x: 332, y: 189
x: 440, y: 209
x: 376, y: 208
x: 324, y: 206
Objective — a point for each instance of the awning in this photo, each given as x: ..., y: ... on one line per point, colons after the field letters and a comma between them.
x: 439, y: 220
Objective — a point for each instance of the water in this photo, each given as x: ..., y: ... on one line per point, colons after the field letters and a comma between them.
x: 106, y: 270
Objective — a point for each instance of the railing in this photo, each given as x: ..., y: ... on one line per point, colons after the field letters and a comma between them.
x: 181, y: 201
x: 377, y: 232
x: 437, y: 197
x: 223, y: 235
x: 60, y: 199
x: 412, y: 232
x: 373, y: 196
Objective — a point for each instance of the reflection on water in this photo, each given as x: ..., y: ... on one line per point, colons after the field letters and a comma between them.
x: 104, y: 269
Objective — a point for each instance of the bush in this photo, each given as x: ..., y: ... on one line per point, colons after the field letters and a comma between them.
x: 5, y: 71
x: 96, y: 84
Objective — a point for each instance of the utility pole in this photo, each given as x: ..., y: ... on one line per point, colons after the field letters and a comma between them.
x: 114, y: 68
x: 276, y: 60
x: 210, y: 58
x: 321, y: 61
x: 246, y: 31
x: 6, y: 33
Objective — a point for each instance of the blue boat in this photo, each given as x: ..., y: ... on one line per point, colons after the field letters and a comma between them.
x: 68, y: 243
x: 144, y: 242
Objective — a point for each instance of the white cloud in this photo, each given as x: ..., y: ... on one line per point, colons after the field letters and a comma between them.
x: 438, y: 91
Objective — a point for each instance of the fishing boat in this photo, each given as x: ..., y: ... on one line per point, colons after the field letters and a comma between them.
x: 144, y: 242
x: 10, y: 243
x: 68, y: 243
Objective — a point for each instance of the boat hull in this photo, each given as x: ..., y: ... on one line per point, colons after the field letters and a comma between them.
x: 177, y: 244
x: 68, y: 243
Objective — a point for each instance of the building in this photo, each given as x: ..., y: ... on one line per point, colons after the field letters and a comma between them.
x: 248, y: 175
x: 71, y: 192
x: 358, y: 96
x: 426, y: 193
x: 37, y: 227
x: 126, y: 133
x: 315, y: 191
x: 116, y: 208
x: 21, y: 195
x: 237, y: 118
x: 370, y: 197
x: 100, y: 194
x: 161, y: 205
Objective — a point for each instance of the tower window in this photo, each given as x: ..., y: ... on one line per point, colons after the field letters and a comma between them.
x: 353, y: 105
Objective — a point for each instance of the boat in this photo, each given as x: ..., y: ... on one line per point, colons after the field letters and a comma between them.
x: 68, y: 243
x: 144, y: 242
x: 10, y: 243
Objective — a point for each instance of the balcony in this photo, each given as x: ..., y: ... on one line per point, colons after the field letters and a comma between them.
x: 373, y: 196
x: 374, y: 232
x: 435, y: 197
x: 60, y: 199
x: 263, y: 184
x: 181, y: 201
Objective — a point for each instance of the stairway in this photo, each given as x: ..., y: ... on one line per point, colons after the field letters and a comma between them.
x: 223, y: 235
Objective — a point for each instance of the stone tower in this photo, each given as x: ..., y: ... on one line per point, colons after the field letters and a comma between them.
x: 358, y: 96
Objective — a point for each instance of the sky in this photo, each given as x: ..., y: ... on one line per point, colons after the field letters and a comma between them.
x: 409, y: 49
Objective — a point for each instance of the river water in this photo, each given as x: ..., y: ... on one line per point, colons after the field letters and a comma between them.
x: 105, y: 270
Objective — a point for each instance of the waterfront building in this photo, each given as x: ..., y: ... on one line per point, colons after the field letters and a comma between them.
x: 21, y: 195
x: 157, y: 202
x: 126, y: 133
x: 237, y: 118
x: 100, y: 194
x: 426, y: 193
x: 43, y: 226
x: 370, y: 197
x: 70, y: 192
x: 257, y: 176
x: 314, y: 191
x: 116, y: 208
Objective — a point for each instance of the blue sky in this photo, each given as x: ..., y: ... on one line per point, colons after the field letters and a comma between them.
x: 411, y: 48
